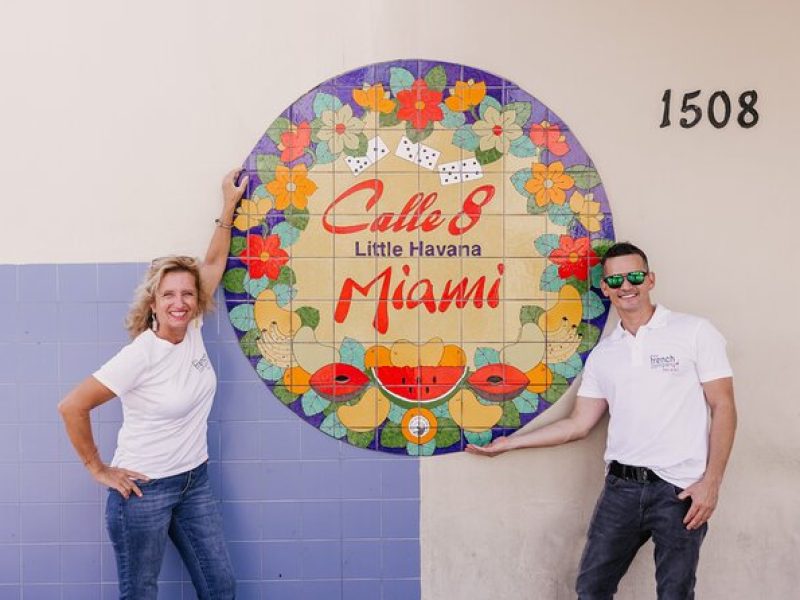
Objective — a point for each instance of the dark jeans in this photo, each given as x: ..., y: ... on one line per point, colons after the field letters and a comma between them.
x: 183, y: 508
x: 628, y: 513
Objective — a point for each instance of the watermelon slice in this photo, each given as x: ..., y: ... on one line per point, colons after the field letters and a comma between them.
x: 338, y: 382
x: 418, y: 386
x: 498, y: 382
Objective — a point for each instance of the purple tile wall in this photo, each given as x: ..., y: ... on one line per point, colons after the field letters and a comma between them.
x: 306, y: 516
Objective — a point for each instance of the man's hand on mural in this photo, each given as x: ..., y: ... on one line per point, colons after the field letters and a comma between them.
x: 498, y: 446
x: 704, y: 495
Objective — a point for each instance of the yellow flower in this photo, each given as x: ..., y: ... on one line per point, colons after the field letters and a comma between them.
x: 374, y: 98
x: 340, y: 129
x: 465, y: 95
x: 291, y: 186
x: 587, y: 211
x: 249, y: 214
x: 549, y: 183
x: 497, y: 129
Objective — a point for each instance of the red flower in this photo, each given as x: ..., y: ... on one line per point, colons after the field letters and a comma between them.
x: 574, y: 257
x: 419, y: 105
x: 550, y: 136
x: 294, y: 143
x: 264, y: 256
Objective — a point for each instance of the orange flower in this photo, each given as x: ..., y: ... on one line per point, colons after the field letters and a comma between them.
x: 549, y: 136
x: 549, y: 183
x: 374, y: 98
x: 294, y: 142
x: 465, y: 95
x: 291, y: 186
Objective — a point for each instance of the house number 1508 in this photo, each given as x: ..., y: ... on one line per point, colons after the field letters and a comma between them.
x: 718, y: 111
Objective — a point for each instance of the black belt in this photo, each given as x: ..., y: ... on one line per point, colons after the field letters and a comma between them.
x: 640, y: 474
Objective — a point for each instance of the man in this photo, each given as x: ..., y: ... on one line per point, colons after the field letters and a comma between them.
x: 659, y: 374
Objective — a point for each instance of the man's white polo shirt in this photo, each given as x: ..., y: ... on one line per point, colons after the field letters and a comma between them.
x: 652, y: 383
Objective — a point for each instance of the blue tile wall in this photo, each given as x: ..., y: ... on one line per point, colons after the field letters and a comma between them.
x: 306, y: 516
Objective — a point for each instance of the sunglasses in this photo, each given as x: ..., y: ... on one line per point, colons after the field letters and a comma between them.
x: 634, y: 278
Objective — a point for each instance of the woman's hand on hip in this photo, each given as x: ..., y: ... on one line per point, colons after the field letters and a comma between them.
x: 122, y: 480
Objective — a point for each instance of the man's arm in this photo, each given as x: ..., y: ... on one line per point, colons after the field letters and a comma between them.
x: 584, y: 416
x: 704, y: 493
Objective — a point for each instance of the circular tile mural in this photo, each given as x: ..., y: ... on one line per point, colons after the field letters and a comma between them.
x: 416, y: 266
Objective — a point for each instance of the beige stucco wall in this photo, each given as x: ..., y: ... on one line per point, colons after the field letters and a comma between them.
x: 119, y: 118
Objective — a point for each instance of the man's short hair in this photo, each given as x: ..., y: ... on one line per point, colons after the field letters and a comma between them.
x: 624, y: 249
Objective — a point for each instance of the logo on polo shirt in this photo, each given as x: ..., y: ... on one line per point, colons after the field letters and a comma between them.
x: 201, y: 364
x: 667, y: 364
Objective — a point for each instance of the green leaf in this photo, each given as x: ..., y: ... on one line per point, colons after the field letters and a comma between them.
x: 255, y: 286
x: 400, y: 79
x: 396, y: 413
x: 546, y: 243
x: 360, y: 439
x: 579, y: 284
x: 288, y: 234
x: 601, y: 246
x: 423, y: 450
x: 309, y: 317
x: 286, y: 276
x: 486, y: 103
x: 352, y: 353
x: 436, y: 78
x: 589, y: 335
x: 466, y: 139
x: 550, y: 281
x: 417, y: 135
x: 585, y: 177
x: 596, y: 275
x: 522, y: 111
x: 533, y: 208
x: 530, y: 314
x: 283, y: 394
x: 331, y: 408
x: 233, y: 280
x: 324, y: 155
x: 283, y: 294
x: 313, y: 404
x: 486, y: 356
x: 267, y: 371
x: 561, y: 214
x: 360, y: 150
x: 452, y: 119
x: 519, y: 179
x: 441, y: 412
x: 333, y: 426
x: 478, y: 439
x: 242, y: 317
x: 510, y: 416
x: 248, y: 343
x: 324, y: 102
x: 522, y: 147
x: 296, y: 217
x: 447, y: 433
x: 569, y: 368
x: 527, y: 402
x: 388, y: 119
x: 556, y: 389
x: 265, y: 165
x: 486, y: 157
x: 279, y: 125
x: 392, y: 436
x: 592, y: 305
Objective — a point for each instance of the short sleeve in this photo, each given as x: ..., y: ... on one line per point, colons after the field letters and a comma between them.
x: 712, y: 358
x: 590, y: 386
x: 122, y: 372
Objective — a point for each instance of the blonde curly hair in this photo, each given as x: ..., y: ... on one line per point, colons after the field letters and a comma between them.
x: 140, y: 315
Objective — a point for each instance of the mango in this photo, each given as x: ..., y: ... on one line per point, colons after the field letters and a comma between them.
x: 366, y: 414
x: 471, y: 415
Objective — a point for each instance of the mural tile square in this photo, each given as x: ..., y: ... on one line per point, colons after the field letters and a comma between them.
x: 80, y: 563
x: 41, y: 564
x: 246, y: 558
x: 37, y: 283
x: 322, y: 590
x: 40, y: 523
x: 9, y: 403
x: 361, y: 559
x: 314, y: 444
x: 39, y: 482
x: 281, y: 560
x: 248, y: 481
x: 116, y: 282
x: 246, y: 590
x: 321, y: 560
x: 8, y: 363
x: 366, y: 589
x: 280, y: 441
x: 285, y: 481
x: 42, y: 592
x: 400, y: 518
x: 37, y: 322
x: 400, y: 479
x: 361, y: 519
x: 10, y: 476
x: 10, y: 560
x: 83, y: 591
x: 238, y: 401
x: 77, y: 283
x: 282, y: 590
x: 8, y: 283
x: 36, y: 363
x: 401, y: 558
x: 240, y: 440
x: 37, y: 403
x: 111, y: 321
x: 78, y: 322
x: 361, y: 479
x: 281, y: 520
x: 9, y: 523
x: 242, y: 520
x: 9, y: 322
x: 322, y: 480
x: 322, y: 520
x: 81, y: 522
x: 77, y: 485
x: 39, y: 441
x: 9, y: 442
x: 402, y: 589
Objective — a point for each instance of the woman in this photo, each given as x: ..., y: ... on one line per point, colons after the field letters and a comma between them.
x: 157, y: 480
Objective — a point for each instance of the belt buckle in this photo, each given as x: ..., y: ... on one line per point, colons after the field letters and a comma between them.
x: 642, y: 475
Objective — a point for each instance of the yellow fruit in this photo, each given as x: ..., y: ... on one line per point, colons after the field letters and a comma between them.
x: 540, y: 378
x: 377, y: 356
x: 269, y: 316
x: 452, y: 356
x: 568, y: 308
x: 367, y: 414
x: 311, y: 354
x: 407, y: 354
x: 470, y: 414
x: 528, y: 350
x: 296, y: 380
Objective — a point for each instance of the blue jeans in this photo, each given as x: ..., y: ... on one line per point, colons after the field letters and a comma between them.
x: 628, y: 513
x: 183, y: 508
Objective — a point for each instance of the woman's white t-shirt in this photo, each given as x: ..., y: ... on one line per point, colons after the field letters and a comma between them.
x: 166, y: 391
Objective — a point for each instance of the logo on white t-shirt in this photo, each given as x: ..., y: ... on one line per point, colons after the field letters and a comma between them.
x: 666, y: 364
x: 201, y: 364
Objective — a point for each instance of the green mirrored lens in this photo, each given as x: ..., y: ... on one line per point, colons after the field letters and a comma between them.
x: 614, y: 281
x: 636, y: 277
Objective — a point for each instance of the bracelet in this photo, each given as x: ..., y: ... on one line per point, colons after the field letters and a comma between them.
x: 223, y: 225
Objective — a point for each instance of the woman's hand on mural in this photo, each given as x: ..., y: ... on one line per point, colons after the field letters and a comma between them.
x: 498, y: 446
x: 122, y: 480
x: 231, y: 191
